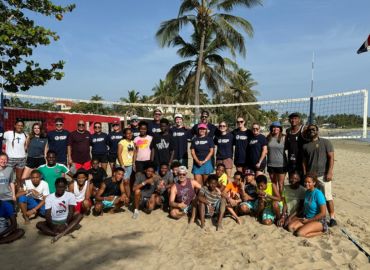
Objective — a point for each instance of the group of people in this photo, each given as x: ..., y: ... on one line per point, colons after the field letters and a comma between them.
x: 63, y: 176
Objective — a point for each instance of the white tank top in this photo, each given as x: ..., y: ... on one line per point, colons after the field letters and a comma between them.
x: 80, y: 194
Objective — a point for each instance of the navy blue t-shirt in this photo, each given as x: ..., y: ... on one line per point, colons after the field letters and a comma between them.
x: 254, y: 149
x: 58, y: 142
x: 212, y: 130
x: 163, y: 147
x: 113, y: 140
x: 202, y: 145
x: 180, y: 139
x: 135, y: 132
x: 99, y: 143
x: 153, y: 128
x: 224, y: 146
x: 241, y: 143
x: 1, y: 137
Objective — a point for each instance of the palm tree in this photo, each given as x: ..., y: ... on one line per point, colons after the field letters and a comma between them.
x: 133, y: 97
x: 206, y: 16
x: 96, y: 107
x: 165, y: 92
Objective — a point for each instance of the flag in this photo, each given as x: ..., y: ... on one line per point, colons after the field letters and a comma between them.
x: 365, y: 47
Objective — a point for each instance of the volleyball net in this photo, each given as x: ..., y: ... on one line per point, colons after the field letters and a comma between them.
x: 341, y: 115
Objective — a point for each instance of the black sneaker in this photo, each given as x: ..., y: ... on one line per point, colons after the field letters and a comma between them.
x: 332, y: 222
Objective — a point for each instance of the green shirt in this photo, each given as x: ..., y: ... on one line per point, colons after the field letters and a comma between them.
x: 50, y: 174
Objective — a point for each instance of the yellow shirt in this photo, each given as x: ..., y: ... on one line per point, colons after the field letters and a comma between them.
x: 223, y: 179
x: 128, y: 148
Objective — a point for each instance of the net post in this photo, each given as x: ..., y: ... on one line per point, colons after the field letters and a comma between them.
x: 366, y: 100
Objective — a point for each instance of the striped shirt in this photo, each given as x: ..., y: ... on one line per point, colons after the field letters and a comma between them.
x: 211, y: 196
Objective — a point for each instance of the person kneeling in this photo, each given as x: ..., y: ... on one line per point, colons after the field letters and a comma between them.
x: 182, y: 196
x: 82, y: 189
x: 314, y: 221
x: 112, y: 193
x: 209, y: 200
x: 268, y: 205
x: 9, y: 230
x: 60, y: 217
x: 146, y: 190
x: 31, y: 197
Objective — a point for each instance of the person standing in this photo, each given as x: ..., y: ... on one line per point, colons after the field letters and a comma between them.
x: 58, y: 141
x: 142, y: 148
x: 134, y: 125
x: 7, y: 187
x: 276, y: 157
x: 79, y: 147
x: 162, y: 145
x: 256, y: 150
x: 211, y: 129
x: 113, y: 139
x: 318, y: 158
x: 224, y: 141
x: 241, y: 135
x: 37, y: 147
x: 154, y: 125
x: 15, y: 147
x: 180, y: 135
x: 293, y: 144
x: 126, y: 149
x: 99, y: 147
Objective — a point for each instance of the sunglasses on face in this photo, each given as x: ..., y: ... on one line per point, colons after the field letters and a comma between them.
x: 240, y: 122
x: 255, y: 128
x: 204, y: 116
x: 81, y: 125
x: 97, y: 127
x: 222, y: 126
x: 182, y: 174
x: 59, y: 124
x: 115, y: 125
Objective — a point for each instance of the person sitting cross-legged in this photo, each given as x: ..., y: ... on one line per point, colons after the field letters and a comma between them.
x: 112, y: 193
x: 9, y: 230
x: 60, y: 217
x: 31, y: 197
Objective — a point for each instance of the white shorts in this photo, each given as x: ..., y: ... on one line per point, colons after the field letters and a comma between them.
x: 325, y: 187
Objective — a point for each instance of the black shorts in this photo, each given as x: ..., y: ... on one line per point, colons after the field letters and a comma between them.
x: 277, y: 170
x: 112, y: 158
x: 253, y: 167
x: 103, y: 158
x: 239, y: 164
x: 34, y: 163
x: 140, y: 165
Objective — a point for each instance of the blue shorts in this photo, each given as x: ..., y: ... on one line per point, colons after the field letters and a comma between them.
x: 187, y: 209
x: 32, y: 203
x: 268, y: 212
x: 216, y: 205
x: 249, y: 204
x: 206, y: 168
x: 128, y: 172
x: 109, y: 204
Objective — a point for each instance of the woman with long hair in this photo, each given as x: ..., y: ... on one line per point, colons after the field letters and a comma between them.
x: 37, y: 147
x: 276, y: 157
x: 224, y: 141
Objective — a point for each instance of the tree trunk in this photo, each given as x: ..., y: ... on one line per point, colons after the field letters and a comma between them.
x: 199, y: 66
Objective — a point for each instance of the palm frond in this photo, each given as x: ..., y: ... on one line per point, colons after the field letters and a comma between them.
x: 228, y: 5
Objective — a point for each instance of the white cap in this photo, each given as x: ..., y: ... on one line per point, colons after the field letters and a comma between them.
x: 183, y: 169
x: 179, y: 115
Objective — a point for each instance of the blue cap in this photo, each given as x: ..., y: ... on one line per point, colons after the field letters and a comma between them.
x: 276, y: 124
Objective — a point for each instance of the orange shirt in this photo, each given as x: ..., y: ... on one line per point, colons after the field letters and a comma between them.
x: 232, y: 189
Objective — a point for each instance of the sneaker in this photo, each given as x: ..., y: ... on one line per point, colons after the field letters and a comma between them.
x: 136, y: 214
x: 332, y: 222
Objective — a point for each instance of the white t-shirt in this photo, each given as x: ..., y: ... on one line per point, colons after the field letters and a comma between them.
x: 15, y: 145
x: 293, y: 196
x: 80, y: 194
x: 42, y: 188
x: 59, y: 205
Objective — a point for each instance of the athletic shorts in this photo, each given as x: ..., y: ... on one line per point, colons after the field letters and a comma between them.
x: 325, y: 187
x: 216, y: 205
x: 268, y: 212
x: 18, y: 163
x: 103, y: 158
x: 253, y: 167
x: 206, y: 168
x: 112, y: 157
x: 140, y: 165
x: 187, y: 209
x: 35, y: 162
x: 78, y: 206
x: 109, y: 204
x: 227, y: 162
x: 86, y: 165
x: 32, y: 203
x: 239, y: 164
x: 144, y: 202
x: 277, y: 170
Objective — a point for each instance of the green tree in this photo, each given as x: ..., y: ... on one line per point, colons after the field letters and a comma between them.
x: 19, y: 35
x: 209, y: 16
x: 165, y: 92
x: 132, y: 97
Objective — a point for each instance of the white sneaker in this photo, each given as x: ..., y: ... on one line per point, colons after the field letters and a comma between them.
x: 136, y: 214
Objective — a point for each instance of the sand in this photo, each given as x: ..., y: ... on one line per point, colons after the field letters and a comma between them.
x: 156, y: 242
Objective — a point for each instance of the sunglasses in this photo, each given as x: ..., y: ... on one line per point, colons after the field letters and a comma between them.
x: 204, y: 116
x: 158, y: 114
x: 59, y: 124
x: 182, y: 174
x: 97, y: 127
x: 81, y: 125
x: 240, y: 122
x: 115, y: 125
x: 222, y: 126
x: 255, y: 129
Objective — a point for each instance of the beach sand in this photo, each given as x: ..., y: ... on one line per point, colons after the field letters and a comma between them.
x: 156, y: 242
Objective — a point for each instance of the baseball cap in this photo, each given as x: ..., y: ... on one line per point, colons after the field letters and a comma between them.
x: 134, y: 117
x: 178, y: 115
x: 58, y: 120
x: 202, y: 126
x: 183, y: 169
x: 157, y: 110
x: 248, y: 172
x: 115, y: 122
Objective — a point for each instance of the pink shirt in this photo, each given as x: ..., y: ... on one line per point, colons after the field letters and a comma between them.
x: 143, y: 147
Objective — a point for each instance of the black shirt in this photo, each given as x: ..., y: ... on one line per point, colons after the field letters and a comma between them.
x: 224, y: 146
x: 254, y: 150
x: 135, y: 132
x: 294, y: 144
x: 111, y: 188
x: 163, y: 146
x: 180, y: 140
x: 98, y: 143
x: 113, y: 140
x: 153, y: 128
x: 241, y: 143
x: 98, y: 176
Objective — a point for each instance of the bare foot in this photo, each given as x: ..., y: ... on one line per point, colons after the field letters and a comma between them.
x: 219, y: 227
x: 238, y: 221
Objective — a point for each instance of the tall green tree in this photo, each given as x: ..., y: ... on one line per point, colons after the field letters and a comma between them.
x: 19, y: 36
x: 205, y: 16
x: 132, y: 97
x: 165, y: 92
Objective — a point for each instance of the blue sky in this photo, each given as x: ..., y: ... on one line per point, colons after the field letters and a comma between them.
x: 110, y: 47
